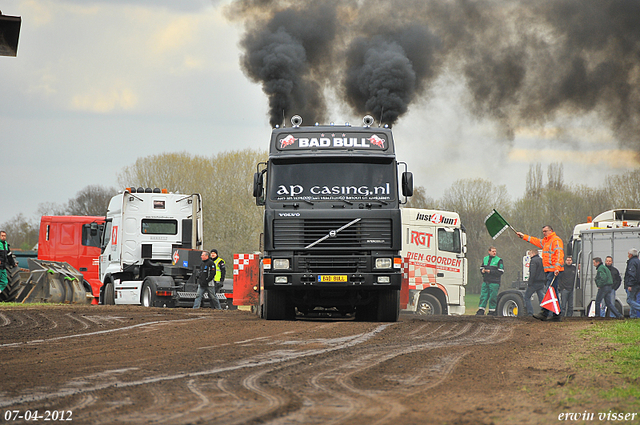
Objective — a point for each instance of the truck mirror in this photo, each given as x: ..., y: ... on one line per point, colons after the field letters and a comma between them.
x: 94, y: 229
x: 257, y: 185
x: 9, y: 34
x: 407, y: 183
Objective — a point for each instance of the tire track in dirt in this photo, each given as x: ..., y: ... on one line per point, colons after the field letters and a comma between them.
x: 288, y: 377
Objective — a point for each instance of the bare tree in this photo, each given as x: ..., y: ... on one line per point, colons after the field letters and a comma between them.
x: 474, y: 199
x: 22, y: 233
x: 92, y: 200
x: 232, y: 221
x: 420, y: 199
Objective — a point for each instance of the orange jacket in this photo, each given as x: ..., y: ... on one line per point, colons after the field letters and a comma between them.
x: 552, y: 251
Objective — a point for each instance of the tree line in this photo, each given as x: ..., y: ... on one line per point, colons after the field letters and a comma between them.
x: 547, y: 200
x: 233, y: 223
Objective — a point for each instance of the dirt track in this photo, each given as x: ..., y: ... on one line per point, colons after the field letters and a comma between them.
x: 135, y: 365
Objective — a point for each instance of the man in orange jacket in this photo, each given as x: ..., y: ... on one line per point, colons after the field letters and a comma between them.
x: 552, y: 260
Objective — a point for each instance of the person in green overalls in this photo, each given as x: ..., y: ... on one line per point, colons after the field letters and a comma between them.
x: 492, y: 269
x: 6, y: 260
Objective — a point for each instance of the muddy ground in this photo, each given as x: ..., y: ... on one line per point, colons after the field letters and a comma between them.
x: 118, y: 364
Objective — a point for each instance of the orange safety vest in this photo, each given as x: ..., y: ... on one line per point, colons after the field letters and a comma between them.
x: 552, y: 251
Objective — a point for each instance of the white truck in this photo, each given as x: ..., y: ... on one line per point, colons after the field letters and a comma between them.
x: 434, y: 263
x: 151, y: 247
x: 611, y: 233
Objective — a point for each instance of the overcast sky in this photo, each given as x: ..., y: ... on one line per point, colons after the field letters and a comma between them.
x: 98, y: 84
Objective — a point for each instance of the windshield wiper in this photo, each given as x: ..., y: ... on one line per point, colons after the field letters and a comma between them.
x: 377, y: 200
x: 345, y: 201
x: 332, y: 233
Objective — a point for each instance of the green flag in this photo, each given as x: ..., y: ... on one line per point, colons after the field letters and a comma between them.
x: 495, y: 224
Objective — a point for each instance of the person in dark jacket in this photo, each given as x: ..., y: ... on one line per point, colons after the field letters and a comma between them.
x: 565, y: 287
x: 492, y: 269
x: 536, y: 282
x: 632, y: 282
x: 6, y: 260
x: 615, y: 276
x: 205, y: 278
x: 604, y: 282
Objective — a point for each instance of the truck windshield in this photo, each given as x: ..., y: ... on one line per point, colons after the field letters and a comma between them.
x: 328, y: 180
x: 159, y: 227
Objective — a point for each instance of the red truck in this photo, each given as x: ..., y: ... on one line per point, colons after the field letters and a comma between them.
x: 74, y: 240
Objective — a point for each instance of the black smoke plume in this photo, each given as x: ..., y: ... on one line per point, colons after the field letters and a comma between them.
x: 522, y: 62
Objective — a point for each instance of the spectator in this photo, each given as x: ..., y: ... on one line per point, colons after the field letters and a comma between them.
x: 492, y: 269
x: 552, y: 260
x: 604, y: 282
x: 632, y: 282
x: 565, y: 286
x: 536, y: 282
x: 615, y: 276
x: 221, y: 270
x: 6, y: 260
x: 205, y: 277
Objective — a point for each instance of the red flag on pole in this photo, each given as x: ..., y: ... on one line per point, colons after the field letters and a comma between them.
x: 550, y: 301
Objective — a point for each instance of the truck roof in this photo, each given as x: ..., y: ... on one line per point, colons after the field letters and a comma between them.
x: 630, y: 215
x: 71, y: 219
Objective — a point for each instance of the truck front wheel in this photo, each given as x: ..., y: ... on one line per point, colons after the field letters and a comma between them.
x: 276, y: 306
x: 389, y: 306
x: 428, y: 305
x: 511, y: 305
x: 109, y: 293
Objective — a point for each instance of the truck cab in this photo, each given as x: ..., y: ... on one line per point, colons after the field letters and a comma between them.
x: 434, y: 262
x: 74, y: 240
x: 332, y: 230
x: 144, y: 228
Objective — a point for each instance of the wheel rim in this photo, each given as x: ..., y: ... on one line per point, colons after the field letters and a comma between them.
x: 510, y: 309
x: 425, y: 308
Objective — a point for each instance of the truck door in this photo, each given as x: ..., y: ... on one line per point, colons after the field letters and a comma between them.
x: 419, y: 250
x: 450, y: 263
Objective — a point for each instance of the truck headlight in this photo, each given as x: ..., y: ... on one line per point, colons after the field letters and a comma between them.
x: 281, y: 279
x: 383, y: 263
x: 280, y: 263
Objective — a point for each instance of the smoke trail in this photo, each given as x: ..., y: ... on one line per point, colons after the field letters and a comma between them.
x: 384, y: 74
x: 283, y: 53
x: 523, y: 63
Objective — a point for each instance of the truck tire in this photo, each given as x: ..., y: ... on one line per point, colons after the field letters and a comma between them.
x: 389, y: 306
x: 367, y: 312
x: 13, y: 289
x: 428, y: 305
x: 276, y: 306
x: 148, y: 296
x: 511, y: 305
x: 109, y: 296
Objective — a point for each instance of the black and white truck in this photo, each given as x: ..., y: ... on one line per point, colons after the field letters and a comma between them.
x: 332, y: 222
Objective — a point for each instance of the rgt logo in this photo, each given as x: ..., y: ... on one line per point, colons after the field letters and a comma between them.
x: 421, y: 238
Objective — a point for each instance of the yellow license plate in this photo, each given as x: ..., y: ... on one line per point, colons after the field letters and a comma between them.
x: 332, y: 278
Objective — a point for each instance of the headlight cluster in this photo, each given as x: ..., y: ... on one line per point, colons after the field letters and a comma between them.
x: 384, y: 263
x: 281, y: 264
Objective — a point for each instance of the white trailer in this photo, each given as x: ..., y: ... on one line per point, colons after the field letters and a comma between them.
x: 434, y: 262
x: 611, y: 233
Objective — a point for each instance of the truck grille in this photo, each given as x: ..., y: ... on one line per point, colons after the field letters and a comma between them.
x: 332, y: 264
x: 372, y: 233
